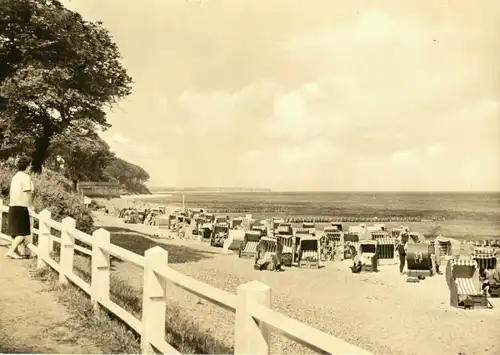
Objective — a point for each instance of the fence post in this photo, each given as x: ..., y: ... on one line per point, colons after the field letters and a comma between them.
x: 100, y: 268
x: 67, y: 249
x: 250, y: 337
x: 1, y: 216
x: 43, y: 239
x: 154, y: 301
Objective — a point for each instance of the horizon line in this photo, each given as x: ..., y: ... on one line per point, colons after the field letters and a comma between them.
x: 339, y: 191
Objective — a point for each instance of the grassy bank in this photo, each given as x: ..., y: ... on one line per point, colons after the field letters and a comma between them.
x: 180, y: 330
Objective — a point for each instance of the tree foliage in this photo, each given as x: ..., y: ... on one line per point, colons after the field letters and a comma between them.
x: 131, y: 176
x: 56, y: 69
x: 80, y: 153
x: 53, y: 192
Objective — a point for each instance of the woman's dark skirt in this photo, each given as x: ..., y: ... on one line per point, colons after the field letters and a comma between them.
x: 18, y: 221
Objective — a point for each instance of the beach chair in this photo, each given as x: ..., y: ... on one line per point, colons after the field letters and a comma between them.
x: 268, y: 254
x: 220, y: 219
x: 385, y: 248
x: 298, y: 234
x: 419, y: 261
x: 366, y: 257
x: 284, y: 229
x: 311, y: 226
x: 262, y: 230
x: 338, y: 225
x: 234, y: 241
x: 329, y: 243
x: 236, y: 222
x: 288, y: 252
x: 444, y: 246
x: 379, y: 234
x: 350, y: 244
x: 462, y: 276
x: 206, y: 232
x: 486, y: 258
x: 309, y: 252
x: 494, y: 283
x: 250, y: 243
x: 219, y: 234
x: 276, y: 221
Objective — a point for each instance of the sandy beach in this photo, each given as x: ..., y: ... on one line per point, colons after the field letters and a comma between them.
x: 376, y: 311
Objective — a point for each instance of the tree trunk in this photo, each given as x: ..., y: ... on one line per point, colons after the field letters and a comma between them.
x: 40, y: 154
x: 75, y: 185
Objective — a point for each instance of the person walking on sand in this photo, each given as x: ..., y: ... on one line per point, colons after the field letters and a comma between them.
x: 18, y: 223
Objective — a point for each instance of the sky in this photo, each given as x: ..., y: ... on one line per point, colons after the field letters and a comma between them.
x: 308, y: 95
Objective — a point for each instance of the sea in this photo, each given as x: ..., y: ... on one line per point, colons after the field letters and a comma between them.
x: 476, y: 206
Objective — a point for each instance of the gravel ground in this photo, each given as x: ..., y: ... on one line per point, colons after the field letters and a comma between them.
x: 379, y: 312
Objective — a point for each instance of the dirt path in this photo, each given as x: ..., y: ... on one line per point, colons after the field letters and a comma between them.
x: 31, y: 319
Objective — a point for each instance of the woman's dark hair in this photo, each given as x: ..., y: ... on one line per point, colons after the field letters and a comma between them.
x: 22, y: 163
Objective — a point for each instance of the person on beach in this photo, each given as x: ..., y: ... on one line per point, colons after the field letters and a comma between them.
x: 18, y: 223
x: 402, y: 248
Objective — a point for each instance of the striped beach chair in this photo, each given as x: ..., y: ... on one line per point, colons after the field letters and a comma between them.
x: 338, y: 225
x: 268, y: 254
x: 386, y: 248
x: 379, y: 234
x: 462, y: 276
x: 329, y: 243
x: 249, y: 245
x: 284, y: 229
x: 486, y: 258
x: 288, y: 249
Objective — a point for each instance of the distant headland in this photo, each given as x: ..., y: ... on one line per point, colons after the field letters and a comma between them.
x: 160, y: 189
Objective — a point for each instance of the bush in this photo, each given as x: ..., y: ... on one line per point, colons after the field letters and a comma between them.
x: 53, y: 192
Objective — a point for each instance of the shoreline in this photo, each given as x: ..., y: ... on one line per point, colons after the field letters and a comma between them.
x: 461, y: 229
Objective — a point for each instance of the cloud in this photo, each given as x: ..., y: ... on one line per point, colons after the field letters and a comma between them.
x: 399, y: 87
x: 311, y: 99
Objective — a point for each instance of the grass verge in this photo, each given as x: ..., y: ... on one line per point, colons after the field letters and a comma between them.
x: 181, y: 332
x: 106, y: 333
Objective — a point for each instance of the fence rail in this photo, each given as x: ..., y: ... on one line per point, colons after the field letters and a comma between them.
x: 254, y: 318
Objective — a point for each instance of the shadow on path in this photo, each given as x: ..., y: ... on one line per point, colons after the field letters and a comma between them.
x: 138, y: 243
x: 9, y: 350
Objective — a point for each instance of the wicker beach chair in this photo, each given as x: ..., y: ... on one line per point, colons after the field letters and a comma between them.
x: 309, y: 252
x: 486, y: 258
x: 288, y: 252
x: 462, y: 276
x: 419, y: 260
x: 250, y: 243
x: 219, y: 234
x: 268, y: 254
x: 386, y: 248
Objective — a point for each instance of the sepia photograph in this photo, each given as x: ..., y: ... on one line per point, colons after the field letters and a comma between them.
x: 250, y: 177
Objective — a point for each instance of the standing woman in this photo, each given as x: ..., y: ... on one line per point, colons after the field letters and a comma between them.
x: 19, y: 225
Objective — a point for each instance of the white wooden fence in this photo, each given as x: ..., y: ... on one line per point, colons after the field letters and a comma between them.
x: 254, y: 317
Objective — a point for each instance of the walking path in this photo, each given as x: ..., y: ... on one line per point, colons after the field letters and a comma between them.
x: 31, y: 319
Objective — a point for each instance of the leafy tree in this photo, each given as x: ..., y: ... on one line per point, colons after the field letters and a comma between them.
x: 131, y: 176
x: 83, y: 154
x: 56, y: 69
